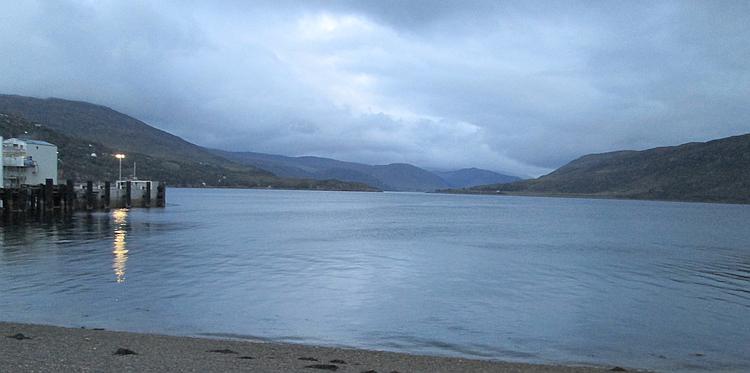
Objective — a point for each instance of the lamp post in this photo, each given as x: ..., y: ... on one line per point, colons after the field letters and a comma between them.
x: 120, y: 157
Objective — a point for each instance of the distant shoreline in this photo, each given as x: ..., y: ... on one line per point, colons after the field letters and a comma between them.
x: 31, y: 347
x: 580, y: 196
x: 373, y: 190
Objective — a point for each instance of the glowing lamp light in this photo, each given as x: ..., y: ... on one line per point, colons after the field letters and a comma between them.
x: 120, y: 156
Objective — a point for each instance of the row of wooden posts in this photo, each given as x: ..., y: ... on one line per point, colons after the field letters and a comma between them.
x: 49, y: 198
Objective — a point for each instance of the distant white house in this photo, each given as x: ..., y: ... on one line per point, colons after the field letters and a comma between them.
x: 28, y: 162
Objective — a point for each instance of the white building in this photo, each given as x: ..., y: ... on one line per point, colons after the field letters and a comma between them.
x: 28, y: 162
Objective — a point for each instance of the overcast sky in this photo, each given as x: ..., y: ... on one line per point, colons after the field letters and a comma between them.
x: 521, y: 87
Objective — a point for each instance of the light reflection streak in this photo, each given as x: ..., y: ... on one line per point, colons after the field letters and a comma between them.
x: 120, y: 252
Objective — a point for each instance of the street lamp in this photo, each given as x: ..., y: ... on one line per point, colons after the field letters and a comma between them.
x: 120, y: 157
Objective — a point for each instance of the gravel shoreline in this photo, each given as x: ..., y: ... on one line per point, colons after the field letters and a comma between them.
x: 41, y: 348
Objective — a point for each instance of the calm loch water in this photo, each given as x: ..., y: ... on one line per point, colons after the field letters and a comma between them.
x: 655, y: 285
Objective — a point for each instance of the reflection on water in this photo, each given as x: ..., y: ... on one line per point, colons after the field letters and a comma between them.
x: 120, y: 218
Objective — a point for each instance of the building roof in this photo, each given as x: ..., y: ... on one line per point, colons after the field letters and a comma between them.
x: 38, y: 142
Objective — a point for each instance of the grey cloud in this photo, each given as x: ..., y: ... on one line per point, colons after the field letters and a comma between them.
x: 519, y: 87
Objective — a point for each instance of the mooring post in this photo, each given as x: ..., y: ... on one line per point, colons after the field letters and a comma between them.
x: 106, y: 196
x: 89, y: 195
x: 128, y: 190
x: 147, y: 195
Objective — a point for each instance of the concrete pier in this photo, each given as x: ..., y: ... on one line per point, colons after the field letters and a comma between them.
x: 48, y: 199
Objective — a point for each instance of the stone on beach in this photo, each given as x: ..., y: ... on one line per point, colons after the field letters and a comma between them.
x: 124, y: 351
x: 19, y: 336
x: 223, y: 351
x: 323, y: 366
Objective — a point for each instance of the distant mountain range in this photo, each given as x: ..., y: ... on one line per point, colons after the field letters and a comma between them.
x: 396, y: 176
x: 163, y: 156
x: 713, y: 171
x: 467, y: 177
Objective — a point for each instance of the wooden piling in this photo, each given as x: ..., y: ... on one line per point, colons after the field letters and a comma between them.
x: 39, y: 204
x: 35, y: 200
x: 6, y: 200
x: 70, y: 196
x: 48, y: 204
x: 146, y: 199
x: 128, y: 191
x: 58, y: 192
x: 7, y: 205
x: 17, y: 201
x: 31, y: 200
x: 107, y: 195
x: 3, y: 196
x: 161, y: 195
x: 89, y: 195
x: 23, y: 197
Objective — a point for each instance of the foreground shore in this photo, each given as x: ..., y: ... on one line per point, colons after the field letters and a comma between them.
x: 40, y: 348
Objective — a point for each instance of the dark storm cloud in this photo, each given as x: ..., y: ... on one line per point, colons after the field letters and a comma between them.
x: 516, y: 86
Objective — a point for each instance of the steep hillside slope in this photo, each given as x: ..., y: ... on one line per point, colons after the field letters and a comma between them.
x: 107, y: 127
x: 714, y: 171
x: 82, y: 160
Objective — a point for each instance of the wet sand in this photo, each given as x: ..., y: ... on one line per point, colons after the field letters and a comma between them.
x: 40, y: 348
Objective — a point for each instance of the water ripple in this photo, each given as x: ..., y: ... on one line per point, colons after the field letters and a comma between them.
x: 538, y: 280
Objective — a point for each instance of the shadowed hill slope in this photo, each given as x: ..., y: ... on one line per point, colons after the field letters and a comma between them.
x: 713, y: 171
x: 105, y: 126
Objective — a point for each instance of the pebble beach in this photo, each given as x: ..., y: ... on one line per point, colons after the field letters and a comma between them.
x: 41, y: 348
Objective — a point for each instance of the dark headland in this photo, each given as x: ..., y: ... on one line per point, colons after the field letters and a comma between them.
x: 713, y: 171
